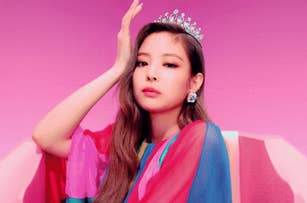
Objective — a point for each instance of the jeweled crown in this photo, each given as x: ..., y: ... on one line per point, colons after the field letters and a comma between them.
x: 188, y: 26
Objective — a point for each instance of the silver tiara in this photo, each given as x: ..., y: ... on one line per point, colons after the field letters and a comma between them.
x: 185, y: 23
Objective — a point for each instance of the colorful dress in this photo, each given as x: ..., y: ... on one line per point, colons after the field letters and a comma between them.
x: 263, y: 168
x: 190, y: 166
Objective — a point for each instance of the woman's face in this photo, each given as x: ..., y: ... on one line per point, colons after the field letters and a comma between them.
x: 161, y: 80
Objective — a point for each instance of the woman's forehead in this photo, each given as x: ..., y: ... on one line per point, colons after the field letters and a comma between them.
x: 165, y: 43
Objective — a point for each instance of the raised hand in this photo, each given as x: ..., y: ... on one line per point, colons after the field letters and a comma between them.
x: 53, y: 132
x: 124, y: 41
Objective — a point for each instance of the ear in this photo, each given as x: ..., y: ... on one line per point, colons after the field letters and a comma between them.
x: 196, y: 82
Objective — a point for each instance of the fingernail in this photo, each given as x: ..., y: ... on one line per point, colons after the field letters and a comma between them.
x: 141, y: 4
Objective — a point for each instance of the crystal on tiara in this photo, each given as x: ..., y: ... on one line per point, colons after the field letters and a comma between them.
x: 185, y: 23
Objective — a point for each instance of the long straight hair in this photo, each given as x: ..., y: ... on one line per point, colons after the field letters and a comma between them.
x: 132, y: 124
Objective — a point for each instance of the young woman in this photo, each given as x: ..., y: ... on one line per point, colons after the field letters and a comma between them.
x: 162, y: 146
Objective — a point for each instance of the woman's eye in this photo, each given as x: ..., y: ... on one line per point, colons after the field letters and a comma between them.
x: 170, y: 65
x: 140, y: 63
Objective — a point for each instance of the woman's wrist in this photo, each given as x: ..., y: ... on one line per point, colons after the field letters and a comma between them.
x: 118, y: 68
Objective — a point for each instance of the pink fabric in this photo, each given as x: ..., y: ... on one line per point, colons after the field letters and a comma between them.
x: 259, y: 181
x: 152, y: 169
x: 83, y: 178
x: 185, y: 151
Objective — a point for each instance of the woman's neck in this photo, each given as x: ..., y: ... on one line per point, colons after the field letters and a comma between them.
x: 163, y: 125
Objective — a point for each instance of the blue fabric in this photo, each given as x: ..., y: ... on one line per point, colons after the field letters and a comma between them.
x: 79, y: 200
x: 150, y: 147
x: 212, y: 181
x: 166, y: 149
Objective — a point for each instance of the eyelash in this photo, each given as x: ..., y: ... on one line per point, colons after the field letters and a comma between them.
x: 171, y: 65
x: 143, y: 63
x: 138, y: 63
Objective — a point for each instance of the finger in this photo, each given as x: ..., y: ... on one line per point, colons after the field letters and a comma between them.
x: 134, y: 4
x: 133, y: 10
x: 137, y: 10
x: 130, y: 15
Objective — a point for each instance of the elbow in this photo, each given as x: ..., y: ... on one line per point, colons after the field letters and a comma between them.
x: 36, y: 138
x: 39, y: 140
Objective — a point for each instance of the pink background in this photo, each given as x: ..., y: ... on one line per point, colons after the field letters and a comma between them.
x: 255, y: 55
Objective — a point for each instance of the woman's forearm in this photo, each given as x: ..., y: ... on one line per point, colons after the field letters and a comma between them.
x: 52, y: 133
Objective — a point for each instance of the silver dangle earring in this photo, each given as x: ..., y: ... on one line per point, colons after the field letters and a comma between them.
x: 192, y: 97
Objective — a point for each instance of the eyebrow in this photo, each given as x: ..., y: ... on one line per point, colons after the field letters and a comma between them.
x: 166, y: 54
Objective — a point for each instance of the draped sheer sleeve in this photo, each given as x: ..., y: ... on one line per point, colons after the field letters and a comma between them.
x: 87, y: 162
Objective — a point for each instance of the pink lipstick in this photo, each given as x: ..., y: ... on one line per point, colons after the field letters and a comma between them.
x: 150, y: 92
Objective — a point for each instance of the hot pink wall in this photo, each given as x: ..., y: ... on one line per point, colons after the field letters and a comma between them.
x: 255, y: 59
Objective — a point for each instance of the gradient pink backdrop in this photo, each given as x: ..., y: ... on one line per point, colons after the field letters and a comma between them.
x: 255, y: 55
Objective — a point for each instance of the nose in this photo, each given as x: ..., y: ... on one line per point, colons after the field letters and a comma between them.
x: 151, y: 74
x: 151, y: 78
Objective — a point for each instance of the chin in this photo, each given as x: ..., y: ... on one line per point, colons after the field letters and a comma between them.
x: 159, y: 109
x: 151, y: 109
x: 158, y: 105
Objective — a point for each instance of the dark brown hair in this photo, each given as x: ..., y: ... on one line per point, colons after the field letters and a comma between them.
x: 132, y: 122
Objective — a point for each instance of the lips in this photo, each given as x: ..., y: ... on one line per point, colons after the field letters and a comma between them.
x: 151, y: 90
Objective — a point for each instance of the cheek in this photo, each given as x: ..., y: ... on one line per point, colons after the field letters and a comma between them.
x: 136, y: 83
x: 181, y: 83
x: 177, y: 91
x: 135, y: 79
